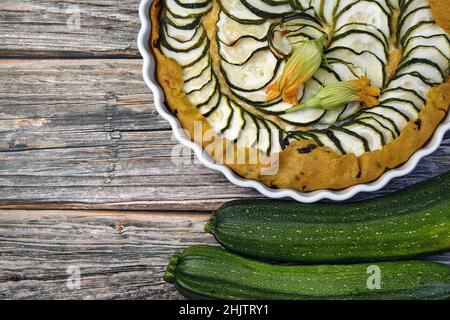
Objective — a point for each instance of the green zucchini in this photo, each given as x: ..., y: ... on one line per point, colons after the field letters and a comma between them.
x: 405, y: 224
x: 205, y: 272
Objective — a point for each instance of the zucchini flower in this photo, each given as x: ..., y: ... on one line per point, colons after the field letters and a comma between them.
x: 304, y: 61
x: 339, y: 94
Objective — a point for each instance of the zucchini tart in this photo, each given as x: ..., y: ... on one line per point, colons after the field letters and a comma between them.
x: 331, y: 92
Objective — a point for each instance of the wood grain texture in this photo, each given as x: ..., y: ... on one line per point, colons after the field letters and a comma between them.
x: 85, y: 134
x: 121, y: 255
x: 37, y: 28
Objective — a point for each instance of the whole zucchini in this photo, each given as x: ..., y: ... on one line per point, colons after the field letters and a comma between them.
x: 408, y: 223
x: 204, y: 272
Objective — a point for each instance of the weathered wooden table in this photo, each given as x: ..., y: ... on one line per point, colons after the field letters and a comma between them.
x: 88, y: 180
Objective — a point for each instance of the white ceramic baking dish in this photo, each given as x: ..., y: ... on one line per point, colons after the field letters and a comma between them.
x: 306, y: 197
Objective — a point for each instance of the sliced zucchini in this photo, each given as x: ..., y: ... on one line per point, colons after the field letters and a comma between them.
x: 332, y: 116
x: 257, y: 73
x: 237, y: 123
x: 316, y: 5
x: 360, y: 41
x: 180, y: 23
x: 350, y: 110
x: 189, y: 58
x: 242, y: 51
x: 410, y: 5
x: 362, y: 27
x: 258, y: 97
x: 403, y: 94
x: 193, y: 3
x: 277, y: 137
x: 300, y: 4
x: 439, y: 41
x: 293, y: 136
x: 394, y: 3
x: 184, y: 46
x: 405, y: 107
x: 300, y: 19
x: 413, y: 18
x: 429, y: 70
x: 335, y: 140
x: 304, y: 32
x: 274, y: 108
x: 236, y: 10
x: 366, y: 11
x: 305, y: 135
x: 384, y: 121
x: 249, y: 136
x: 409, y: 11
x: 220, y: 118
x: 399, y: 119
x: 266, y: 10
x: 303, y: 117
x: 342, y: 69
x: 210, y: 105
x: 182, y: 35
x: 265, y: 136
x: 198, y: 83
x: 411, y: 81
x: 424, y: 29
x: 197, y: 68
x: 279, y: 42
x: 349, y: 3
x: 229, y: 30
x: 325, y: 76
x: 327, y: 139
x: 201, y: 96
x: 329, y: 7
x: 388, y: 134
x: 284, y: 141
x: 431, y: 53
x: 311, y: 87
x: 350, y: 141
x: 374, y: 138
x: 363, y: 64
x: 251, y: 97
x: 187, y: 10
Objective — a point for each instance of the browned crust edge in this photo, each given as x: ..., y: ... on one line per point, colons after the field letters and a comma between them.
x: 321, y: 168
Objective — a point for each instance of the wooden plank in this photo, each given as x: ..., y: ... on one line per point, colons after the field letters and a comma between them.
x: 49, y: 28
x: 85, y: 134
x: 121, y: 255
